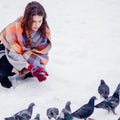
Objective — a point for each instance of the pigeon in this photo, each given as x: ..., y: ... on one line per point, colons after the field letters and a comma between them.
x: 103, y: 89
x: 52, y: 113
x: 110, y: 103
x: 86, y: 110
x: 67, y: 106
x: 65, y: 115
x: 23, y: 114
x: 37, y: 117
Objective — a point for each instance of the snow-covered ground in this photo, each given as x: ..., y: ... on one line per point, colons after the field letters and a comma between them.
x: 86, y: 49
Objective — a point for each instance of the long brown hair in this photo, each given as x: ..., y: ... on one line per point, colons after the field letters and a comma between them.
x: 33, y: 8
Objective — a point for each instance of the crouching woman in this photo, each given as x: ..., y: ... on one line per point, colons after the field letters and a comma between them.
x: 25, y: 45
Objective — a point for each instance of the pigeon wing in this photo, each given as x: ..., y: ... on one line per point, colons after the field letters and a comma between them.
x: 24, y: 115
x: 82, y: 112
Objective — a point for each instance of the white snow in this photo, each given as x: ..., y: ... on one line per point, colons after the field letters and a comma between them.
x: 85, y: 49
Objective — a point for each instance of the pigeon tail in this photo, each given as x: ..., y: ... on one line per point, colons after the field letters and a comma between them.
x: 9, y: 118
x: 103, y: 105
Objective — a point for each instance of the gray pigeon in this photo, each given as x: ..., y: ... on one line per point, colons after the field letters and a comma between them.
x: 52, y: 112
x: 86, y: 110
x: 103, y: 89
x: 23, y: 114
x: 110, y: 103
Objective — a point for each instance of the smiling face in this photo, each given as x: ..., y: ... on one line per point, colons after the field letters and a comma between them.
x: 37, y: 22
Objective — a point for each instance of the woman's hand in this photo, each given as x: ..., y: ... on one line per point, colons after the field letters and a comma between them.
x: 38, y: 72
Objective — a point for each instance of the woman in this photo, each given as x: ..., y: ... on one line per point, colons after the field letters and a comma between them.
x: 25, y: 44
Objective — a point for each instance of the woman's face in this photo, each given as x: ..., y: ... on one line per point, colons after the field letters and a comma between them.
x: 37, y: 22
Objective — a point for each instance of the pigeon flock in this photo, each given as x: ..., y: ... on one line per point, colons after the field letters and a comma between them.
x: 84, y: 112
